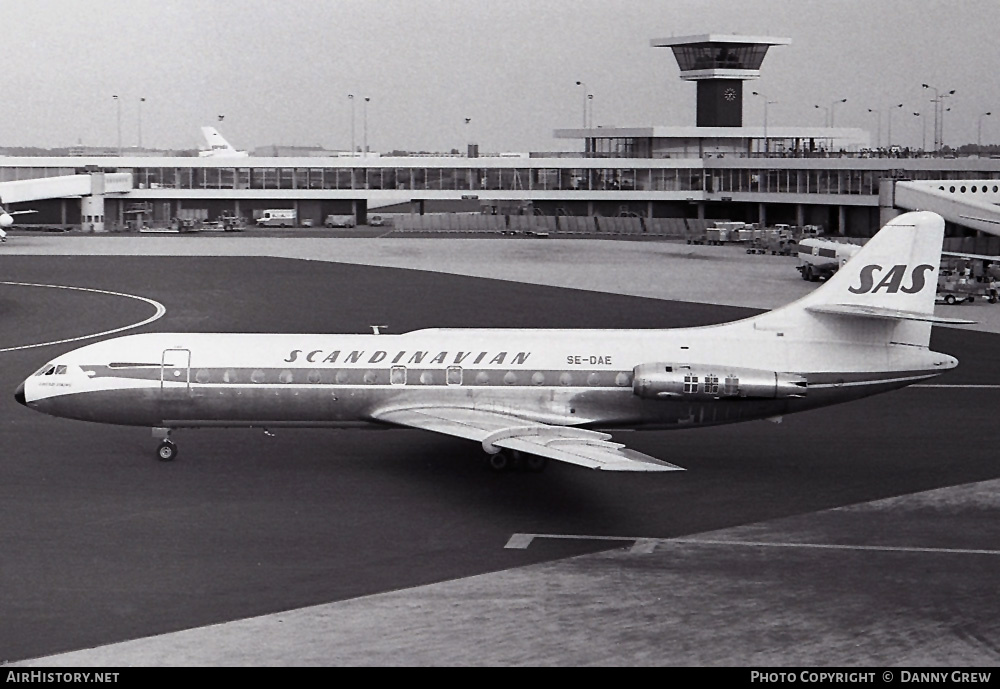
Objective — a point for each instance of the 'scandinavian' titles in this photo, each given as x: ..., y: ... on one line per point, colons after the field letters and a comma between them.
x: 405, y: 357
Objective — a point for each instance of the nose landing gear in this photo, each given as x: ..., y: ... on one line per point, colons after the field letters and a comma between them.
x: 166, y: 451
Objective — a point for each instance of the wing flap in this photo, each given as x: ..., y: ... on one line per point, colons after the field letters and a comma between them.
x: 862, y: 311
x: 494, y: 430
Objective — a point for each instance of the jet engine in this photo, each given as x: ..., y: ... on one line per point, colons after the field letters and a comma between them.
x: 706, y: 381
x: 6, y: 220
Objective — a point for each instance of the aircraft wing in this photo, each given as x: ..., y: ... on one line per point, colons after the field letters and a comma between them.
x: 494, y: 430
x: 980, y: 257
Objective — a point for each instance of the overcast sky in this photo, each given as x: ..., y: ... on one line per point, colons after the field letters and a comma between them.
x: 280, y: 71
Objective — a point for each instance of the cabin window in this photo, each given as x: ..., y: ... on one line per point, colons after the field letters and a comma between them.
x: 257, y: 376
x: 314, y: 377
x: 690, y: 383
x: 482, y: 378
x: 202, y: 376
x: 370, y: 377
x: 510, y: 378
x: 622, y: 379
x: 397, y: 375
x: 454, y: 375
x: 341, y: 377
x: 538, y: 378
x: 565, y: 378
x: 229, y: 376
x: 594, y: 379
x: 426, y: 378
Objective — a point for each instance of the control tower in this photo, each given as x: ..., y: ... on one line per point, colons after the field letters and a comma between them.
x: 720, y: 63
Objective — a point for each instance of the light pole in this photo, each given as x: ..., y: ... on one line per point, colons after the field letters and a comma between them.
x: 141, y: 101
x: 826, y: 114
x: 878, y: 117
x: 979, y: 134
x: 118, y: 105
x: 938, y: 118
x: 365, y: 151
x: 590, y: 100
x: 923, y: 134
x: 468, y: 141
x: 584, y: 85
x: 350, y: 97
x: 767, y: 148
x: 834, y: 103
x: 943, y: 111
x: 888, y: 113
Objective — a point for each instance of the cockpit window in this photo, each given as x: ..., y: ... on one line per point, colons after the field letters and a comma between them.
x: 46, y: 370
x: 60, y: 369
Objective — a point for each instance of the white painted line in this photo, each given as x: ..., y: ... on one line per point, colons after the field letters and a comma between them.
x: 960, y: 387
x: 160, y: 310
x: 835, y: 546
x: 645, y: 545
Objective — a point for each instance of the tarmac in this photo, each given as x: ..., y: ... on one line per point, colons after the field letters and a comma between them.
x: 900, y: 581
x: 672, y: 270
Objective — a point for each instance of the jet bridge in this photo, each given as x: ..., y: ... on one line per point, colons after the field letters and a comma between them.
x: 89, y: 188
x: 972, y: 203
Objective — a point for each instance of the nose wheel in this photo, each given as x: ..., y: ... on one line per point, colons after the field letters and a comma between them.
x: 167, y: 451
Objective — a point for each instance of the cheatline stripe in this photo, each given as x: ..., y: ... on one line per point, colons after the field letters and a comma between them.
x: 523, y: 540
x: 160, y: 310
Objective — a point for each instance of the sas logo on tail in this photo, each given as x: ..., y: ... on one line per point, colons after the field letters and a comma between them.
x: 893, y: 280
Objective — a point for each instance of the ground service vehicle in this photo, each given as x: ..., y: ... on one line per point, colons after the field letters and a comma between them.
x: 277, y: 217
x: 821, y: 258
x: 347, y: 220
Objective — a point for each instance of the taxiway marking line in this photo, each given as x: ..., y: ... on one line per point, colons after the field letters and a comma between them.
x: 982, y: 386
x: 646, y: 545
x: 160, y: 310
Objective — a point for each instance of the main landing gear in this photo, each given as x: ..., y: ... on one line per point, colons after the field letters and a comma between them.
x: 512, y: 460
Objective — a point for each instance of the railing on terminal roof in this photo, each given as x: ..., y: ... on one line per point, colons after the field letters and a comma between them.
x: 861, y: 153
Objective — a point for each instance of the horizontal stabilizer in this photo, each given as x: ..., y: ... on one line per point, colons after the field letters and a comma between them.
x: 862, y: 311
x: 494, y: 430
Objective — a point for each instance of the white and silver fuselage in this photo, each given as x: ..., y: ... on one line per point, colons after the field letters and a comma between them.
x: 594, y: 378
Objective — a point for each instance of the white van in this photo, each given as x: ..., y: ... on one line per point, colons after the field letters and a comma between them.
x: 277, y: 217
x: 347, y: 220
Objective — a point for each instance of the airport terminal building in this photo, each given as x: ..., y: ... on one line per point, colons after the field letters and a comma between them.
x: 717, y: 169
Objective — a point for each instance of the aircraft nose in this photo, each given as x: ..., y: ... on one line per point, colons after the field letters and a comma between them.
x: 19, y: 394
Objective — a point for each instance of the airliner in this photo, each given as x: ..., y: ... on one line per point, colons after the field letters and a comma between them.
x: 528, y: 396
x: 218, y: 147
x: 7, y: 220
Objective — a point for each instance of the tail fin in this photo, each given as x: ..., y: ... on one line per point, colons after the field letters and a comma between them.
x: 218, y: 146
x: 214, y: 139
x: 884, y: 293
x: 896, y: 270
